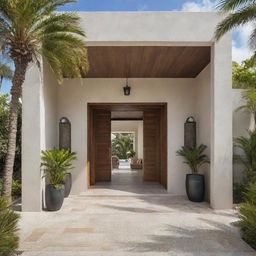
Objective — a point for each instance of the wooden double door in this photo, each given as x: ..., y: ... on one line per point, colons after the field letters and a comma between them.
x: 154, y: 141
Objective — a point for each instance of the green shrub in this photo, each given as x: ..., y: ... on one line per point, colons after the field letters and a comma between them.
x: 247, y: 145
x: 248, y: 158
x: 248, y: 216
x: 9, y: 239
x: 238, y: 192
x: 16, y: 188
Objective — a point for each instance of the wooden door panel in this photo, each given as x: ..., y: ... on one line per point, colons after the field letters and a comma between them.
x: 151, y: 145
x: 102, y: 142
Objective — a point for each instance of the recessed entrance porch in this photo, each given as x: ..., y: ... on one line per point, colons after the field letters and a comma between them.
x: 182, y: 77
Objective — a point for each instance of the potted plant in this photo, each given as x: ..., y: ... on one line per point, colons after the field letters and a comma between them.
x: 56, y: 163
x: 68, y: 157
x: 194, y: 158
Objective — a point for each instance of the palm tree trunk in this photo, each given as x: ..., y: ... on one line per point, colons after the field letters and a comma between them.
x: 254, y: 119
x: 17, y: 81
x: 1, y: 82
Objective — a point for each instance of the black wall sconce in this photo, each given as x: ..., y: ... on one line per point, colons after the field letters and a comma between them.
x: 64, y: 134
x: 190, y: 132
x: 127, y: 88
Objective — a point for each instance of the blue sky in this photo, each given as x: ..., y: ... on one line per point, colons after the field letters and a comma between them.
x: 240, y: 36
x: 127, y: 5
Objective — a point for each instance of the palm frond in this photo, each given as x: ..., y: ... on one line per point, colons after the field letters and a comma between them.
x: 5, y: 71
x: 8, y: 229
x: 63, y: 22
x: 230, y: 5
x: 194, y: 157
x: 252, y: 40
x: 39, y: 30
x: 233, y: 20
x: 56, y: 163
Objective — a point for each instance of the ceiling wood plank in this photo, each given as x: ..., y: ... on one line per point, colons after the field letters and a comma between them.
x: 147, y: 61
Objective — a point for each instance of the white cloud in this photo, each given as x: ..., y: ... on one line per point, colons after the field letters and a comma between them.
x: 204, y: 6
x: 240, y: 48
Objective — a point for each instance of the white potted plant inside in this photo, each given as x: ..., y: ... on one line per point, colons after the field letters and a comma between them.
x: 56, y: 163
x: 194, y: 158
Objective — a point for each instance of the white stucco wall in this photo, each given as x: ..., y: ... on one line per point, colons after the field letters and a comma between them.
x: 178, y: 93
x: 39, y: 131
x: 140, y: 140
x: 241, y: 124
x: 151, y: 28
x: 203, y: 118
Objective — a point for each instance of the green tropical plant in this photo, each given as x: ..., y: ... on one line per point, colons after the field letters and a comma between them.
x: 5, y: 72
x: 9, y: 239
x: 240, y: 13
x: 248, y: 216
x: 249, y: 97
x: 247, y: 144
x: 121, y: 144
x: 244, y: 74
x: 29, y: 30
x: 16, y: 188
x: 4, y: 117
x: 131, y: 154
x: 56, y: 163
x: 194, y: 157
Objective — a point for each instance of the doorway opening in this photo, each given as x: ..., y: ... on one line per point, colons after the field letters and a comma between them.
x: 127, y: 144
x: 127, y: 147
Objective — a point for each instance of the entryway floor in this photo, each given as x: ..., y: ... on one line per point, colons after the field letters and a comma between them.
x: 126, y: 182
x: 110, y: 221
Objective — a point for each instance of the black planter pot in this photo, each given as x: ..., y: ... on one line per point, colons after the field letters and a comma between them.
x: 68, y: 184
x: 53, y: 198
x: 195, y: 187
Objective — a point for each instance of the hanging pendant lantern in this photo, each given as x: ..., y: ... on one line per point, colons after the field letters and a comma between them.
x: 127, y: 88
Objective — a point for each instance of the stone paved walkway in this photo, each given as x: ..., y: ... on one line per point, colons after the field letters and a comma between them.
x: 109, y: 222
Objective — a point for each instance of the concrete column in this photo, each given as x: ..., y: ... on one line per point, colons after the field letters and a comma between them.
x: 221, y: 125
x: 140, y: 139
x: 31, y: 141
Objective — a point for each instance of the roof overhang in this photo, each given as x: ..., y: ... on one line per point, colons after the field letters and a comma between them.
x: 147, y: 61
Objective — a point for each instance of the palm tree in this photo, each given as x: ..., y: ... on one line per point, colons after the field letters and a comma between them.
x: 242, y: 12
x: 30, y: 29
x: 5, y: 72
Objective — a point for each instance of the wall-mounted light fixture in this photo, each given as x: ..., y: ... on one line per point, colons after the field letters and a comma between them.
x: 127, y: 88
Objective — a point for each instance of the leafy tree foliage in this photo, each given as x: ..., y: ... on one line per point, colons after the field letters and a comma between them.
x: 4, y: 119
x: 244, y: 75
x: 122, y: 144
x: 5, y: 72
